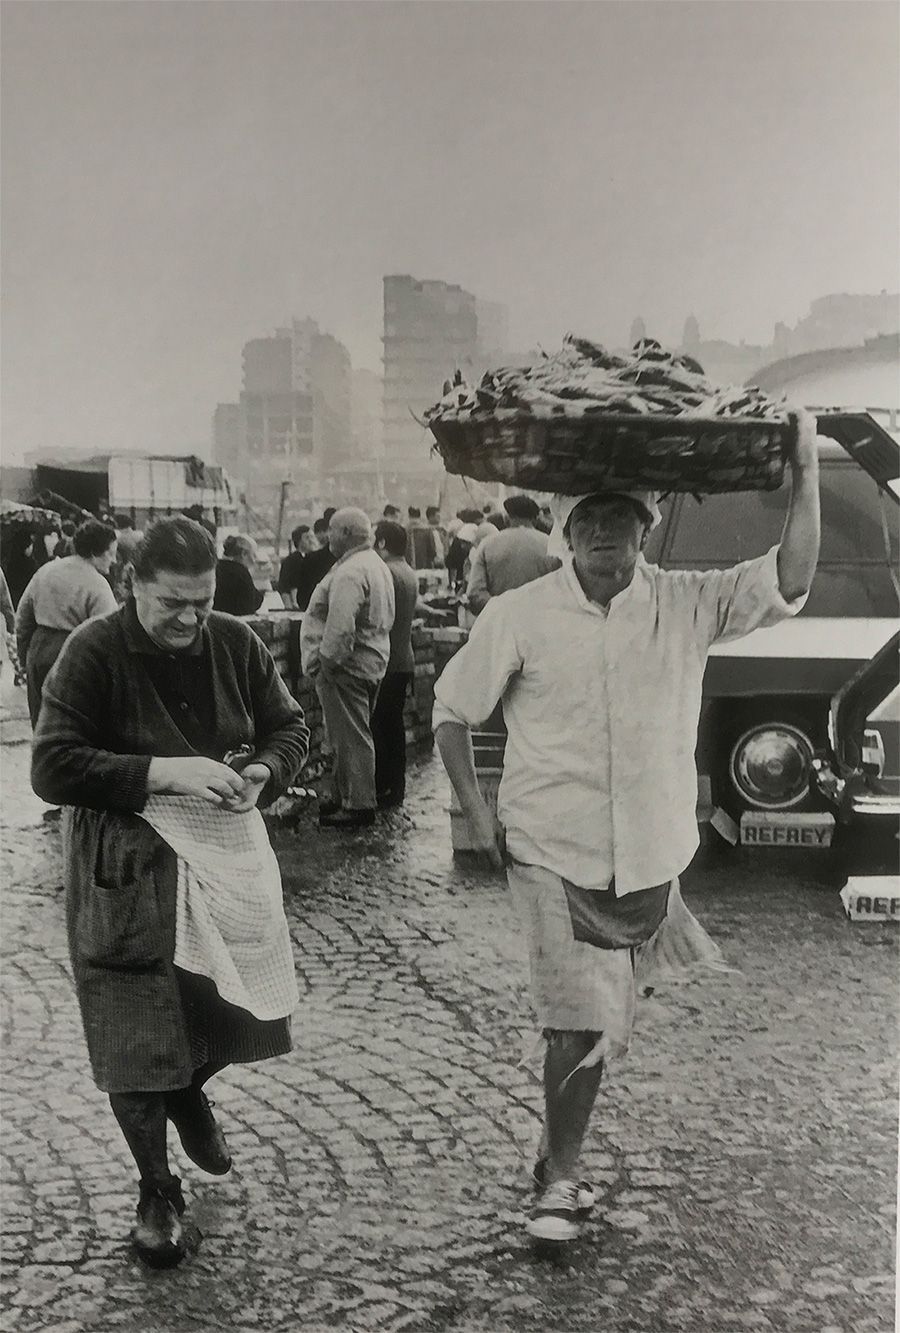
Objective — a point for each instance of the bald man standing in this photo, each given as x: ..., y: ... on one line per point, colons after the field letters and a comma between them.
x: 345, y: 646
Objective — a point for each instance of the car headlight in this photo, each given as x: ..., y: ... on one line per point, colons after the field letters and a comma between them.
x: 771, y: 765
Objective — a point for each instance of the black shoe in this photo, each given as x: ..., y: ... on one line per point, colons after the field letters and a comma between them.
x: 158, y: 1236
x: 348, y: 819
x: 201, y: 1136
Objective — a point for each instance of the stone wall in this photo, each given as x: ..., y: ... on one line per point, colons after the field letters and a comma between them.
x: 280, y: 632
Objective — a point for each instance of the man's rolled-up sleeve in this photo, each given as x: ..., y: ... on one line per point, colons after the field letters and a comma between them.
x: 474, y: 680
x: 733, y: 602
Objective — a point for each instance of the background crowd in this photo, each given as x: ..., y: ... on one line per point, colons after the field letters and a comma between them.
x: 357, y: 582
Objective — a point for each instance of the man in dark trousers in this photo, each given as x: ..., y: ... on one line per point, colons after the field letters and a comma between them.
x: 388, y: 728
x: 423, y: 545
x: 345, y: 647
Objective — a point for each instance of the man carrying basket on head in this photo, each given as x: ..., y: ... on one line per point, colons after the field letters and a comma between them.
x: 599, y: 667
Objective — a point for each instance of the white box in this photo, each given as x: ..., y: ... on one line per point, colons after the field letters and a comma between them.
x: 872, y: 898
x: 781, y: 828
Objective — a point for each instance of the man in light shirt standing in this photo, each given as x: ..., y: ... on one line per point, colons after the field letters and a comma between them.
x: 510, y: 558
x: 599, y: 666
x: 345, y: 645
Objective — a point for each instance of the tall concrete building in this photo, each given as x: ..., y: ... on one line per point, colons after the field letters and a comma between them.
x: 366, y: 415
x: 330, y: 377
x: 229, y: 440
x: 277, y: 405
x: 431, y: 328
x: 294, y: 421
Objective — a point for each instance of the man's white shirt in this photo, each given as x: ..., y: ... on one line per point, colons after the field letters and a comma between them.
x: 602, y: 707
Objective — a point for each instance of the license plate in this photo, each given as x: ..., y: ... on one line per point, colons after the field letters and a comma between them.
x: 781, y: 828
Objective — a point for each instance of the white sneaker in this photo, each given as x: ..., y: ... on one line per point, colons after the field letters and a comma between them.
x: 587, y: 1195
x: 556, y: 1214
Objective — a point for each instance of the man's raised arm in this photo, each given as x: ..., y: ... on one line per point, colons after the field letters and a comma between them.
x: 798, y: 552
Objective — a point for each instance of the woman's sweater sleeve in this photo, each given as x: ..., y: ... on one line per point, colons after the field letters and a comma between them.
x: 69, y: 765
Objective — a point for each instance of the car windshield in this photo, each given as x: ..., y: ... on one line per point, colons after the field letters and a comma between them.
x: 854, y: 574
x: 727, y: 528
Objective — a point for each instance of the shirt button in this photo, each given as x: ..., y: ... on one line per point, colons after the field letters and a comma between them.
x: 184, y: 707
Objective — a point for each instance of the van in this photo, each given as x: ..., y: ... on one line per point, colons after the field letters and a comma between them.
x: 766, y: 697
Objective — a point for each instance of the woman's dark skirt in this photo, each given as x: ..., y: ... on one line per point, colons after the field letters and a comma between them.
x: 220, y: 1033
x: 148, y: 1024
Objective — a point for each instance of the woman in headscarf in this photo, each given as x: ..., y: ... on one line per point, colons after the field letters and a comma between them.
x: 179, y: 945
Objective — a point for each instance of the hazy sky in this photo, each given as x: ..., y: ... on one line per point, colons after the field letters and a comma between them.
x: 179, y: 177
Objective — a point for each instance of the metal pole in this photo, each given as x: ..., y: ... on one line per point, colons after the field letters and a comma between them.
x: 282, y: 499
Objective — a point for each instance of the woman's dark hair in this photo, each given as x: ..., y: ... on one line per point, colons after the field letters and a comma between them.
x: 177, y: 545
x: 93, y: 538
x: 393, y: 535
x: 297, y: 534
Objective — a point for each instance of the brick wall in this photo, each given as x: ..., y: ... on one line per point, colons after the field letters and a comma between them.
x: 280, y: 632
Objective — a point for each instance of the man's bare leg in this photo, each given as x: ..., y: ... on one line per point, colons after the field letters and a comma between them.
x: 568, y: 1109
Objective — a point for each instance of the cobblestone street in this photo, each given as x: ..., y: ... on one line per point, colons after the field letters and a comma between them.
x: 744, y: 1151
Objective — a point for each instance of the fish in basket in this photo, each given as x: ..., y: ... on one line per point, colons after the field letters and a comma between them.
x: 588, y: 419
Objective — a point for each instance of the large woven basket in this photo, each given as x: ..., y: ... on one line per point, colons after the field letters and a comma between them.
x: 573, y: 455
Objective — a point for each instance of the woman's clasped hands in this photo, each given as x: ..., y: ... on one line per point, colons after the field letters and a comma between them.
x: 209, y: 780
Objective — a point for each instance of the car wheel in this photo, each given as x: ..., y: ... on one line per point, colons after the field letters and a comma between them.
x: 765, y: 762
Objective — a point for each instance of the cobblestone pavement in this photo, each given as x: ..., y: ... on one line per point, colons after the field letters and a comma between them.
x: 744, y: 1150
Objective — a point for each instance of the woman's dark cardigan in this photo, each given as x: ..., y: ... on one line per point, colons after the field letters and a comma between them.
x: 101, y: 721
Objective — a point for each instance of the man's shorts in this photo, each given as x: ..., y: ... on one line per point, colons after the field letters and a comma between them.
x: 580, y: 987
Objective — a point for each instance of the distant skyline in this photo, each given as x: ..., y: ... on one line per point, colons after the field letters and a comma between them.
x: 181, y: 177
